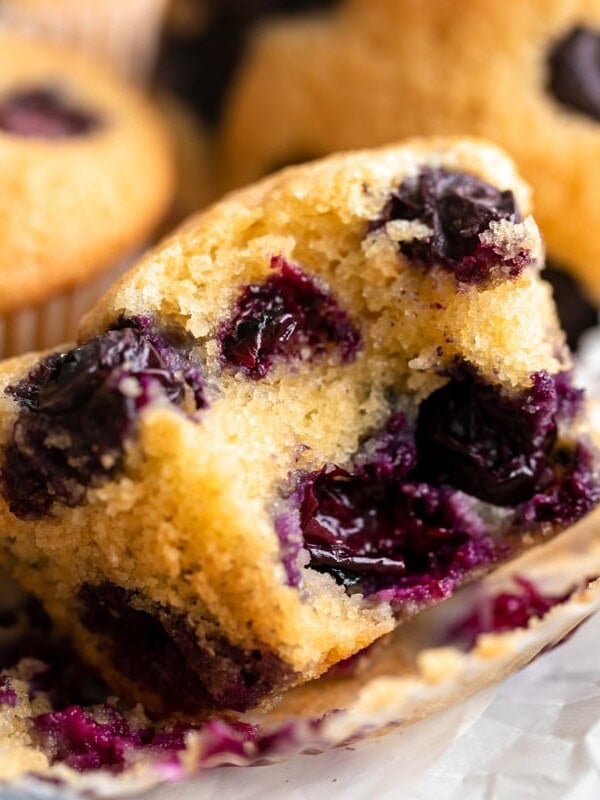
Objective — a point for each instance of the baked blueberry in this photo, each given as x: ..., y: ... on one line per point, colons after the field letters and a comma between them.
x: 45, y: 114
x: 458, y: 210
x: 287, y: 316
x: 79, y: 408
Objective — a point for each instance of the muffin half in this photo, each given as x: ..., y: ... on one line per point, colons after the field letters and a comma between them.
x: 317, y: 409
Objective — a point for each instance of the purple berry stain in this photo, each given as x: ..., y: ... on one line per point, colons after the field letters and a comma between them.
x: 285, y: 317
x: 457, y: 208
x: 399, y: 521
x: 84, y: 741
x: 572, y: 492
x: 44, y: 114
x: 8, y: 696
x: 289, y: 532
x: 78, y: 408
x: 505, y: 611
x: 100, y: 737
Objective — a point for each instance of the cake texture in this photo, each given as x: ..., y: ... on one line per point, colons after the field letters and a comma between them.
x: 383, y: 69
x: 319, y: 408
x: 88, y: 174
x: 59, y: 724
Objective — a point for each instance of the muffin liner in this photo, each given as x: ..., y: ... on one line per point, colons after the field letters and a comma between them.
x: 55, y: 321
x: 410, y: 675
x: 124, y: 33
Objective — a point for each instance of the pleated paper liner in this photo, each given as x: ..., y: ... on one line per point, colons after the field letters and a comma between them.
x: 123, y: 33
x: 55, y: 321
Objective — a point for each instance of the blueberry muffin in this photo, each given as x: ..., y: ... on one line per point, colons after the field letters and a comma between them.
x: 204, y: 43
x: 318, y: 409
x: 383, y: 69
x: 87, y: 171
x: 122, y: 33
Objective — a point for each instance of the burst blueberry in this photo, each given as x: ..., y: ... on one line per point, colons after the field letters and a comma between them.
x: 397, y: 522
x: 372, y: 525
x: 493, y: 446
x: 282, y: 318
x: 457, y: 208
x: 78, y: 409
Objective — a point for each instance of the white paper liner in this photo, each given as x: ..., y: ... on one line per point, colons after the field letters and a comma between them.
x: 409, y: 677
x: 404, y: 753
x: 55, y: 321
x: 124, y: 33
x: 539, y: 738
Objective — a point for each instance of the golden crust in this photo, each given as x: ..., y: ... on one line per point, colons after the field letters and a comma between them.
x: 73, y: 207
x: 383, y: 69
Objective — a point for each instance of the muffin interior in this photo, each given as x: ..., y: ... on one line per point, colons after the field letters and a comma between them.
x: 317, y: 399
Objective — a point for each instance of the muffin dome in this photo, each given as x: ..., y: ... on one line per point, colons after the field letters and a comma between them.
x: 85, y: 166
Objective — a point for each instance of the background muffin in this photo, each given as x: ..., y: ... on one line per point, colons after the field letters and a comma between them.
x: 87, y: 173
x: 205, y: 41
x: 377, y: 70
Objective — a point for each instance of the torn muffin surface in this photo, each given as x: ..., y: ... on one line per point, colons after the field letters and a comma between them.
x: 320, y: 407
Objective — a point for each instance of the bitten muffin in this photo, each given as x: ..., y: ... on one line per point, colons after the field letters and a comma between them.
x: 320, y: 407
x: 122, y: 33
x: 87, y: 174
x: 376, y: 70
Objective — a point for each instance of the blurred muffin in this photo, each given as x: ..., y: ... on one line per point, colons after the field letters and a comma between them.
x: 193, y: 151
x: 205, y: 40
x: 372, y: 71
x: 87, y: 173
x: 124, y: 33
x: 187, y: 17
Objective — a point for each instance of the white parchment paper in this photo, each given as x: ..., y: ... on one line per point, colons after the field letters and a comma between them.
x: 390, y: 766
x: 539, y: 738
